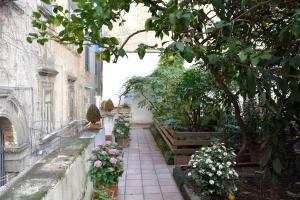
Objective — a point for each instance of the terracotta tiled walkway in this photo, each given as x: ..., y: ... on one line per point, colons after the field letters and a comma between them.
x: 147, y: 176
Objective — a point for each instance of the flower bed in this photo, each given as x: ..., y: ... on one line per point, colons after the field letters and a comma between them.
x: 106, y: 167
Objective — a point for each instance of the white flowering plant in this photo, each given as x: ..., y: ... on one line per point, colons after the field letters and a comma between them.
x: 121, y: 127
x: 212, y: 170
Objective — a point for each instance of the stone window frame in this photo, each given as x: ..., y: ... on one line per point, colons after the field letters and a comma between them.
x: 47, y: 126
x: 71, y: 96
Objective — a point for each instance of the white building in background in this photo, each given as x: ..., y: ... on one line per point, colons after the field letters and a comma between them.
x: 116, y: 74
x: 44, y: 90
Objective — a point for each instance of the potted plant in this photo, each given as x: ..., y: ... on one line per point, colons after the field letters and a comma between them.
x: 121, y: 130
x: 109, y: 105
x: 93, y: 116
x: 106, y: 167
x: 103, y: 104
x: 212, y: 172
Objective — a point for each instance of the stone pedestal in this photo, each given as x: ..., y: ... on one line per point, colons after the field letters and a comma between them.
x: 15, y: 158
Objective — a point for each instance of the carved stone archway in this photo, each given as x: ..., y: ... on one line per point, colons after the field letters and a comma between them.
x: 16, y: 132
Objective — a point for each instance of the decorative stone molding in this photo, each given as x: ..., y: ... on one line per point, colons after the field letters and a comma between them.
x: 71, y: 78
x: 46, y: 71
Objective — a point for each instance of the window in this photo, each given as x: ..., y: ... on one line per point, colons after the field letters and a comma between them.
x: 71, y: 97
x: 87, y: 59
x: 47, y: 108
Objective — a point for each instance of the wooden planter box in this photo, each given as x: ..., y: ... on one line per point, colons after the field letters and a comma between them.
x: 184, y: 144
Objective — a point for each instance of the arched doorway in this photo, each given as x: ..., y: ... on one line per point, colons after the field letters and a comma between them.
x: 6, y: 139
x: 2, y: 158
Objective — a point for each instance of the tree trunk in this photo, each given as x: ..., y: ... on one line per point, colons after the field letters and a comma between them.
x: 237, y: 111
x: 274, y: 192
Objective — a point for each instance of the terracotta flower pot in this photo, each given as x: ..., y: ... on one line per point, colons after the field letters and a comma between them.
x: 111, y: 189
x: 114, y: 190
x: 123, y: 142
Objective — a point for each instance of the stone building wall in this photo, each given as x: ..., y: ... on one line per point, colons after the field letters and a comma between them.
x: 44, y: 90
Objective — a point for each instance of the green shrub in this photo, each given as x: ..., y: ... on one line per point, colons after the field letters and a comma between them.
x: 93, y: 114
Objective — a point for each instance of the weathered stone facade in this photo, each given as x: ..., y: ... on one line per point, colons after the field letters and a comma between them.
x: 44, y: 90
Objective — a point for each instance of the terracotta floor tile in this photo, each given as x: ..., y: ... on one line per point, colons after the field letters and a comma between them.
x: 147, y: 176
x: 150, y: 182
x: 134, y: 197
x: 134, y: 190
x: 121, y: 197
x: 151, y: 190
x: 167, y: 189
x: 133, y: 176
x: 172, y: 196
x: 153, y: 197
x: 136, y: 183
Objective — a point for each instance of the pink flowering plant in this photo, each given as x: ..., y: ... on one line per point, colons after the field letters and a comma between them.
x: 106, y: 164
x: 121, y: 127
x: 212, y: 171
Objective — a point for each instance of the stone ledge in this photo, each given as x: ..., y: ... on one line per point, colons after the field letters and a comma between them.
x: 46, y: 71
x: 16, y: 149
x: 45, y: 175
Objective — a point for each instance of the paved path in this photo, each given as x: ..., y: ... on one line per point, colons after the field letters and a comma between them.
x: 146, y: 176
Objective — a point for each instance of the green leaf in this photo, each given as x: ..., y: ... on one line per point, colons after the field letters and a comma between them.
x: 114, y: 40
x: 98, y: 55
x: 266, y: 156
x: 29, y: 39
x: 121, y: 52
x: 277, y: 166
x: 42, y: 41
x: 266, y: 56
x: 243, y: 56
x: 79, y: 49
x: 213, y: 58
x: 46, y: 1
x: 188, y: 54
x: 109, y: 26
x: 148, y: 24
x: 141, y: 51
x: 36, y: 24
x: 172, y: 18
x: 106, y: 55
x: 56, y: 22
x: 251, y: 83
x: 255, y: 59
x: 180, y: 46
x: 36, y: 15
